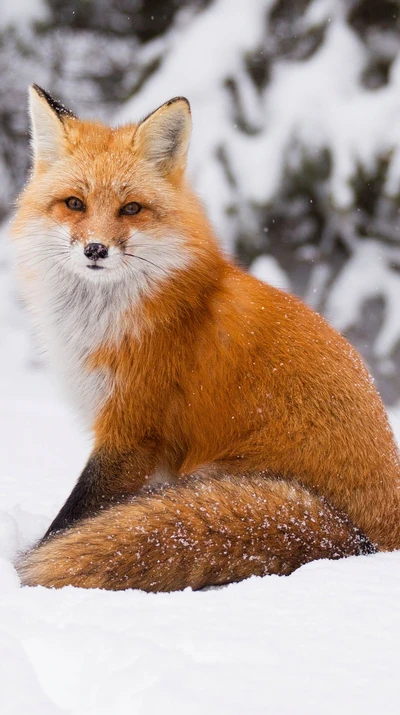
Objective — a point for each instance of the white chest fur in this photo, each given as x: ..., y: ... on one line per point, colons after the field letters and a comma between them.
x: 76, y: 312
x: 76, y: 318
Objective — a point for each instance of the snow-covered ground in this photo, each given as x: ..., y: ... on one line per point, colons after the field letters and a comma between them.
x: 325, y: 640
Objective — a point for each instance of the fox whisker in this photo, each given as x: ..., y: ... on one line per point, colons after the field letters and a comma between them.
x: 132, y: 255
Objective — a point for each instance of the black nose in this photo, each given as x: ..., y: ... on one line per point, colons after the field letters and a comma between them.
x: 95, y: 251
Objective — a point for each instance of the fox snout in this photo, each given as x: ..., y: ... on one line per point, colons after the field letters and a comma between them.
x: 94, y: 251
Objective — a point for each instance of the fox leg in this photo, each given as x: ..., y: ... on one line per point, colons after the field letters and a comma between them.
x: 200, y: 533
x: 106, y: 478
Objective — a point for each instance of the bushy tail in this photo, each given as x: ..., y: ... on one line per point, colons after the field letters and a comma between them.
x: 200, y: 533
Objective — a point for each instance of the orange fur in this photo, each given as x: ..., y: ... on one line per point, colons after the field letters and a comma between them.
x: 211, y: 367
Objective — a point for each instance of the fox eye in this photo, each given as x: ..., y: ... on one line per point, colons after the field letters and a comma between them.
x: 75, y: 204
x: 130, y: 209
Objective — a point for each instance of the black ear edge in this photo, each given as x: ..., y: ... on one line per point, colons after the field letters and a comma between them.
x: 167, y: 104
x: 178, y: 99
x: 59, y: 109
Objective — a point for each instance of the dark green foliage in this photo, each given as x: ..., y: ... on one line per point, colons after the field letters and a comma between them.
x: 291, y: 37
x: 377, y: 22
x: 143, y: 19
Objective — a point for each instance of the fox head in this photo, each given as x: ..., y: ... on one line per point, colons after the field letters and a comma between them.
x: 108, y: 204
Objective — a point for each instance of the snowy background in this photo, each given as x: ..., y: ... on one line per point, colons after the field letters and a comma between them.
x: 296, y: 152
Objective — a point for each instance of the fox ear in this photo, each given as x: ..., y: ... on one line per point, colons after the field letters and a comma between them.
x: 163, y: 137
x: 47, y: 124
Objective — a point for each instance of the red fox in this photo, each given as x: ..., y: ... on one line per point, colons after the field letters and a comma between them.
x: 235, y: 432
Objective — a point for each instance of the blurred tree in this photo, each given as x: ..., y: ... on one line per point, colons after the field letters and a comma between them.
x: 142, y: 19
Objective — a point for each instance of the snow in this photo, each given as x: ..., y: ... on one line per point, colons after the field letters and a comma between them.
x: 22, y: 12
x: 324, y: 640
x: 367, y: 274
x: 267, y: 268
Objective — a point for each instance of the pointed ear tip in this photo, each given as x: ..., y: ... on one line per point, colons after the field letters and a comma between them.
x: 182, y: 100
x: 34, y: 89
x: 35, y: 94
x: 59, y: 109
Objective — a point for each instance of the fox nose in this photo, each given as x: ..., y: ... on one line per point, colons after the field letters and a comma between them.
x: 95, y: 251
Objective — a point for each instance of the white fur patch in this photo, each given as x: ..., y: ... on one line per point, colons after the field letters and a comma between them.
x: 161, y: 475
x: 76, y: 310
